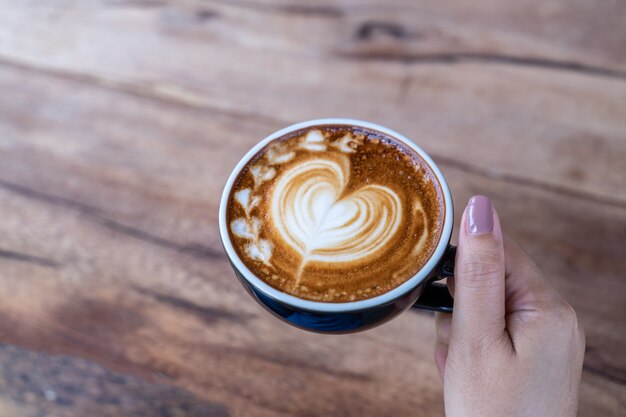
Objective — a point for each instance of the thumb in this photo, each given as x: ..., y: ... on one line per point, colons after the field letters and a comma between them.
x: 479, y: 294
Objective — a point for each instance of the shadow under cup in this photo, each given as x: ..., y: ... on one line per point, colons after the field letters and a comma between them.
x: 419, y: 291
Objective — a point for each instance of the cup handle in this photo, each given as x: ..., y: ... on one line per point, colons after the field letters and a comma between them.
x: 435, y: 296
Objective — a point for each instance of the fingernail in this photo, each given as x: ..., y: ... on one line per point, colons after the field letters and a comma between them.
x: 479, y: 216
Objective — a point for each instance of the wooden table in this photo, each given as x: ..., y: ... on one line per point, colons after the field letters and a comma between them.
x: 121, y: 119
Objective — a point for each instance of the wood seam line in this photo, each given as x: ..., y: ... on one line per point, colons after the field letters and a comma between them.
x: 206, y: 313
x: 27, y: 258
x: 529, y: 182
x: 605, y: 375
x: 137, y: 90
x: 289, y: 9
x: 485, y: 58
x: 195, y: 250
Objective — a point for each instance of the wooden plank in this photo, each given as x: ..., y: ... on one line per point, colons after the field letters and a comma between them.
x: 525, y: 29
x: 528, y: 85
x: 37, y: 385
x: 110, y: 251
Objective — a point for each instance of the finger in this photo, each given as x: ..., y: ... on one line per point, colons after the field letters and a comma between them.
x: 443, y: 324
x: 534, y: 309
x: 479, y: 287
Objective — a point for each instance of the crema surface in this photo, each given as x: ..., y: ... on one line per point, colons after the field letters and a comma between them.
x: 335, y: 213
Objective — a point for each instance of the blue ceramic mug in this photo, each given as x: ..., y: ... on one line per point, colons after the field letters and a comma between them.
x: 419, y: 291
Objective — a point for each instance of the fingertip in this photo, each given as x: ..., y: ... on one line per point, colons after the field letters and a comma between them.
x: 479, y: 218
x: 479, y: 268
x: 480, y: 215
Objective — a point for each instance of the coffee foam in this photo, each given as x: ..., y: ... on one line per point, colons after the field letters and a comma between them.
x: 322, y: 215
x: 310, y: 214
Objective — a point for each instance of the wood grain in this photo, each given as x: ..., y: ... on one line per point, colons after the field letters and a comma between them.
x: 38, y: 385
x: 478, y: 74
x: 120, y: 121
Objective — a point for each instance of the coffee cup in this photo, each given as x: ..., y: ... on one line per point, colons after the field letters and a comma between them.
x: 421, y: 290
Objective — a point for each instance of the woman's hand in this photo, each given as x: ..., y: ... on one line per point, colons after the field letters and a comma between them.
x: 513, y: 346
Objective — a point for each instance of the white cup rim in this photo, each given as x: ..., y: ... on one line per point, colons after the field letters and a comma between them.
x: 350, y: 306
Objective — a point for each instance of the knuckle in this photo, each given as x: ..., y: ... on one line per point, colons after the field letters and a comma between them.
x: 565, y: 314
x: 478, y: 266
x: 564, y: 321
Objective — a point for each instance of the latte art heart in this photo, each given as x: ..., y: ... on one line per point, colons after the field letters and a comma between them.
x: 312, y: 213
x: 334, y: 213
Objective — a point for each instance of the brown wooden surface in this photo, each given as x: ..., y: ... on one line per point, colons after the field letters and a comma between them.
x: 120, y: 121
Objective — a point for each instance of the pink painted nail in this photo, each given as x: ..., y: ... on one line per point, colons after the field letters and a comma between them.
x: 479, y: 216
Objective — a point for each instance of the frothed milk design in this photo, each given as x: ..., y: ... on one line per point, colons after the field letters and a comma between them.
x: 335, y: 214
